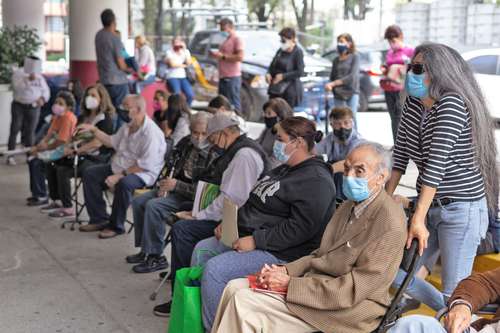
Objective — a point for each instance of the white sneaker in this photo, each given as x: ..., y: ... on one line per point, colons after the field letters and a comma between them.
x: 11, y: 160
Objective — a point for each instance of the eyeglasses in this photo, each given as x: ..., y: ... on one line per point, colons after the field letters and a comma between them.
x: 416, y: 68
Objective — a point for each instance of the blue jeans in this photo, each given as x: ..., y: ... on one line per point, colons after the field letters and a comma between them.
x: 417, y: 324
x: 37, y: 178
x: 150, y: 212
x: 93, y: 187
x: 137, y: 86
x: 230, y: 87
x: 178, y: 85
x: 117, y: 92
x: 455, y: 232
x: 352, y: 103
x: 222, y: 265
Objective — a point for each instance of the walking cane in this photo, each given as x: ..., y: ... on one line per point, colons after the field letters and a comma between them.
x: 327, y: 110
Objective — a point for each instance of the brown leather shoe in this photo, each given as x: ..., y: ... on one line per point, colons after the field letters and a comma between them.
x: 108, y: 233
x: 91, y: 227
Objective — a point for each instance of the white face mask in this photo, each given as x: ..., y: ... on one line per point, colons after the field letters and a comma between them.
x: 91, y: 103
x: 286, y: 45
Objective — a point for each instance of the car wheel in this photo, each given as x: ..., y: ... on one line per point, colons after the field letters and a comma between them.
x: 247, y: 104
x: 363, y: 103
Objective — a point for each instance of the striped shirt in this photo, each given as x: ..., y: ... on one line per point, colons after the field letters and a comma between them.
x: 440, y: 143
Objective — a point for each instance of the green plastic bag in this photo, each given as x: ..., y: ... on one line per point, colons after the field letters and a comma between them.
x: 185, y: 316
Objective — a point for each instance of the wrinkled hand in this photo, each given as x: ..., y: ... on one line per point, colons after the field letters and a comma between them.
x: 167, y: 184
x: 218, y: 232
x: 112, y: 180
x: 402, y: 200
x: 268, y: 78
x: 185, y: 215
x: 40, y: 102
x: 458, y: 319
x: 267, y: 269
x: 244, y: 244
x: 419, y: 231
x: 278, y: 78
x: 275, y: 280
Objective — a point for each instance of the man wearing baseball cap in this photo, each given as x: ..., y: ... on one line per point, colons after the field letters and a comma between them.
x: 241, y: 163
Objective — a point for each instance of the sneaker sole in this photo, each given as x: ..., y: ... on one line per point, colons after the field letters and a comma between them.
x: 156, y: 269
x: 161, y: 314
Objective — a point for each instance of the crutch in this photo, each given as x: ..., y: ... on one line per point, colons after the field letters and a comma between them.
x: 75, y: 179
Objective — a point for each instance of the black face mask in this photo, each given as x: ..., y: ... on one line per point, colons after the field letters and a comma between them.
x: 343, y: 133
x: 270, y: 122
x: 123, y: 114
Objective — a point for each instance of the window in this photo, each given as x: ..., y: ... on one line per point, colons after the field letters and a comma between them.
x: 486, y: 64
x: 55, y: 24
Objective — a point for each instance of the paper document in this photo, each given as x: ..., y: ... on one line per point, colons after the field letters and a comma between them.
x: 229, y: 223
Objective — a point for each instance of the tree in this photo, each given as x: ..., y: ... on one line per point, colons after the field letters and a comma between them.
x: 301, y: 14
x: 356, y: 9
x: 262, y: 8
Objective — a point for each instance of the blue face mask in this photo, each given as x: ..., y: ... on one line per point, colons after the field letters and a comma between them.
x: 415, y: 85
x: 279, y: 151
x: 224, y: 34
x: 341, y: 48
x: 355, y: 188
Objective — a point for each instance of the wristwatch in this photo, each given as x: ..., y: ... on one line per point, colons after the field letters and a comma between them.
x: 223, y: 57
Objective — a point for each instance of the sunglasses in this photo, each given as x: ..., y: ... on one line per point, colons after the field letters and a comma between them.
x: 416, y: 68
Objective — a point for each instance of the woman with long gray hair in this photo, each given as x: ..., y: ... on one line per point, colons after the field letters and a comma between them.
x: 447, y: 131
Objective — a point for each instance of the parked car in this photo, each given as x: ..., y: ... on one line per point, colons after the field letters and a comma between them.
x: 371, y: 60
x: 260, y: 48
x: 486, y: 65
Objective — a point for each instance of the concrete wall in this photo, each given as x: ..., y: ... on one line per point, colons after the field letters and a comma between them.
x: 453, y: 22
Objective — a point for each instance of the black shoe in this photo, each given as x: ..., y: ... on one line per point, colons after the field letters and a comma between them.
x: 136, y: 258
x: 151, y: 264
x: 30, y: 199
x: 163, y: 310
x: 38, y: 202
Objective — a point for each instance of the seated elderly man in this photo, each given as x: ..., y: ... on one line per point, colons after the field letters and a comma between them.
x: 344, y: 285
x: 139, y: 156
x: 241, y: 163
x: 152, y: 208
x: 471, y: 294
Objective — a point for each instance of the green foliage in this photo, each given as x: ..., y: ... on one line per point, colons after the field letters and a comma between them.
x: 16, y: 44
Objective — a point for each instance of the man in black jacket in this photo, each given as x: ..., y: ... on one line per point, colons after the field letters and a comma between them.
x: 236, y: 171
x: 152, y: 208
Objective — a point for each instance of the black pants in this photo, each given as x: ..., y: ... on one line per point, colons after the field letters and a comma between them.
x: 37, y: 178
x: 59, y: 176
x: 185, y: 235
x: 392, y: 98
x: 24, y: 120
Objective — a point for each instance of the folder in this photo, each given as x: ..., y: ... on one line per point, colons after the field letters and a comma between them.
x: 229, y: 223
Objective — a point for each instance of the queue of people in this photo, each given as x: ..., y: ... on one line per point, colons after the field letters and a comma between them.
x: 320, y: 230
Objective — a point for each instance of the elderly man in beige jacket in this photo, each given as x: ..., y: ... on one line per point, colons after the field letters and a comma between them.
x: 343, y: 286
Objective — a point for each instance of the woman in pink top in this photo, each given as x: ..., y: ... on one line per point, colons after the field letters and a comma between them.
x: 396, y: 60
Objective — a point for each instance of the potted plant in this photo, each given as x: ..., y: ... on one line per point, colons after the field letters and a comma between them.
x: 17, y: 43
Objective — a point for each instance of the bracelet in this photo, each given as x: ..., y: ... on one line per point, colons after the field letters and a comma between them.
x: 460, y: 302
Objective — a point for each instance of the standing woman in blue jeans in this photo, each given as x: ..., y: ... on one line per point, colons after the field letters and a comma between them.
x: 178, y: 59
x: 447, y: 131
x: 344, y: 77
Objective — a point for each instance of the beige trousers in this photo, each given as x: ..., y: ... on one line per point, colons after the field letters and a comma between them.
x: 242, y: 310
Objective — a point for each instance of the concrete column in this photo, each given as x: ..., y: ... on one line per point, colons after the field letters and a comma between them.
x: 84, y: 23
x: 26, y: 12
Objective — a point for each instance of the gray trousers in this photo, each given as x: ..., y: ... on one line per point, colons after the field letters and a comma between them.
x: 150, y: 213
x: 24, y: 120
